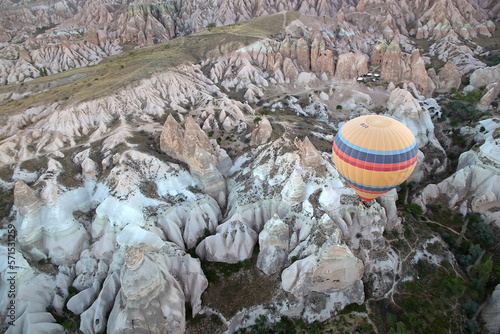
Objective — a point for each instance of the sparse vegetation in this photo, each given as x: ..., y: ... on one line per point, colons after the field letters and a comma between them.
x: 452, y: 293
x: 6, y: 202
x: 143, y: 63
x: 42, y: 71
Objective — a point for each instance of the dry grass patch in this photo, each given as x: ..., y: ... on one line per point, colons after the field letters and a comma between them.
x: 118, y: 72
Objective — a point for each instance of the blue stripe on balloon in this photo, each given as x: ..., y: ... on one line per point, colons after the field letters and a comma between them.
x: 370, y: 188
x: 376, y: 156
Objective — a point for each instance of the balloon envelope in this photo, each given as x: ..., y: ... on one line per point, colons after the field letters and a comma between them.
x: 374, y: 154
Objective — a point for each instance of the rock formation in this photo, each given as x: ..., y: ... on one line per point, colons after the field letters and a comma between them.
x: 42, y: 233
x: 449, y: 77
x: 310, y: 156
x: 321, y: 59
x: 404, y: 107
x: 262, y: 133
x: 148, y: 300
x: 491, y: 314
x: 485, y: 76
x: 490, y: 93
x: 294, y: 190
x: 350, y: 66
x: 83, y: 35
x: 273, y: 246
x: 474, y: 187
x: 378, y: 52
x: 193, y: 147
x: 419, y: 75
x: 449, y: 48
x: 332, y: 268
x: 393, y: 66
x: 233, y: 242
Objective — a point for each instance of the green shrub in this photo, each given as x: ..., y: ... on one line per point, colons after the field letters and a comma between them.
x: 473, y: 96
x: 400, y: 329
x: 483, y: 272
x: 211, y: 25
x: 482, y: 232
x: 470, y: 309
x: 475, y: 252
x: 391, y: 319
x: 452, y: 286
x: 459, y: 112
x: 257, y: 119
x: 471, y: 326
x: 414, y: 209
x: 42, y: 71
x: 411, y: 305
x: 72, y: 291
x: 339, y: 107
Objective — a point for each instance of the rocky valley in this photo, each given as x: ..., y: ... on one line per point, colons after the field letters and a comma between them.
x: 166, y: 167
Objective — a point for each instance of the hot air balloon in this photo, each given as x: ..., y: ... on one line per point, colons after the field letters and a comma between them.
x: 374, y: 154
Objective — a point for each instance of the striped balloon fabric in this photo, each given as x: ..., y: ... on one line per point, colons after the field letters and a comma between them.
x: 374, y: 154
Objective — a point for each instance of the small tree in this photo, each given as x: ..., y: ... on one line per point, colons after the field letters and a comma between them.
x: 470, y: 309
x: 473, y: 95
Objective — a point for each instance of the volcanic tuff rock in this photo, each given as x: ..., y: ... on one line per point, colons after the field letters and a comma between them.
x: 310, y: 156
x: 393, y: 66
x: 45, y: 228
x: 405, y: 108
x: 321, y: 59
x: 449, y: 77
x: 63, y: 35
x: 35, y: 295
x: 262, y: 133
x: 149, y: 299
x: 449, y: 48
x: 378, y: 52
x: 419, y: 74
x: 193, y: 147
x: 485, y: 76
x: 273, y: 245
x: 475, y: 186
x: 490, y: 93
x: 94, y: 168
x: 491, y: 312
x: 351, y: 65
x: 331, y: 268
